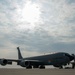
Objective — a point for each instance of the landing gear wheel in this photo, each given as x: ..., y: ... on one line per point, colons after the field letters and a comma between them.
x: 29, y: 67
x: 42, y: 67
x: 61, y: 67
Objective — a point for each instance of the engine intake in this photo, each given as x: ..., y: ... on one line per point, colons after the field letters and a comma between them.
x: 3, y: 62
x: 24, y: 63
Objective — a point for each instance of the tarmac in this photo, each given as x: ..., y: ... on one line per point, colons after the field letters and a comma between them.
x: 37, y: 71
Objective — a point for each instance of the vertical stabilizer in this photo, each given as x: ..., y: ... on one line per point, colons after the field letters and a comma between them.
x: 19, y: 54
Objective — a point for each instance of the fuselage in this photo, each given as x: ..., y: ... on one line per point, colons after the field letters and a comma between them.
x: 57, y: 59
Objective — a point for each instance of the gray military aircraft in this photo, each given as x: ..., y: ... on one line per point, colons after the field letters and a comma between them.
x: 59, y: 60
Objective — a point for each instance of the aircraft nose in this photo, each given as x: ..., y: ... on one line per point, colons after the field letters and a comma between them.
x: 71, y: 58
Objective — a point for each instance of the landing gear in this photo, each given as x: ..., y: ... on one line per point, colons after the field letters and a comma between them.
x: 73, y: 65
x: 35, y: 66
x: 42, y: 67
x: 29, y: 67
x: 61, y: 67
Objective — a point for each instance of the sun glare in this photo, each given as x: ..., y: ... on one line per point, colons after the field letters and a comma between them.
x: 29, y: 15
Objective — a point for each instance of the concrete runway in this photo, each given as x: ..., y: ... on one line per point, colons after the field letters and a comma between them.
x: 37, y: 71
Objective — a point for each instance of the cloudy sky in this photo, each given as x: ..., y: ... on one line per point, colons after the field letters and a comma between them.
x: 37, y: 27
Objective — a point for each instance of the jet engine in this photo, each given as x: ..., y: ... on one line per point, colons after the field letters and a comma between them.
x: 3, y: 62
x: 24, y: 63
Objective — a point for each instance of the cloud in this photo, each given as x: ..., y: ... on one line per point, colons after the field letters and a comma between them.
x: 71, y: 1
x: 53, y: 32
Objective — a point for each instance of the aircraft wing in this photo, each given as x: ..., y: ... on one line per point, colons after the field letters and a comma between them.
x: 20, y: 62
x: 8, y: 61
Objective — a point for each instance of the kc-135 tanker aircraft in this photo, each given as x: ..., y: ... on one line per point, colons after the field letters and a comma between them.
x: 59, y: 60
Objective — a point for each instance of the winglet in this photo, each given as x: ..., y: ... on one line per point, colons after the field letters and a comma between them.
x: 19, y: 54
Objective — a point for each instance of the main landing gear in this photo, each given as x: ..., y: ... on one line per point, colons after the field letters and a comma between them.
x: 42, y: 67
x: 61, y: 67
x: 29, y: 67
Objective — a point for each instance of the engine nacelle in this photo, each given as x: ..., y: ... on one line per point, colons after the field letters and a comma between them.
x: 24, y: 63
x: 3, y: 62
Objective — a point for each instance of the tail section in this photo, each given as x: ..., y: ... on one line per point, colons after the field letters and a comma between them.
x: 19, y: 54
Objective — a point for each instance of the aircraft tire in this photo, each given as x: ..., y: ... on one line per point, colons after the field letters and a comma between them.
x: 61, y: 67
x: 42, y: 67
x: 29, y: 67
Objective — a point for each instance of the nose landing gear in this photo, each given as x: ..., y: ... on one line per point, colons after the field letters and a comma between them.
x: 73, y: 65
